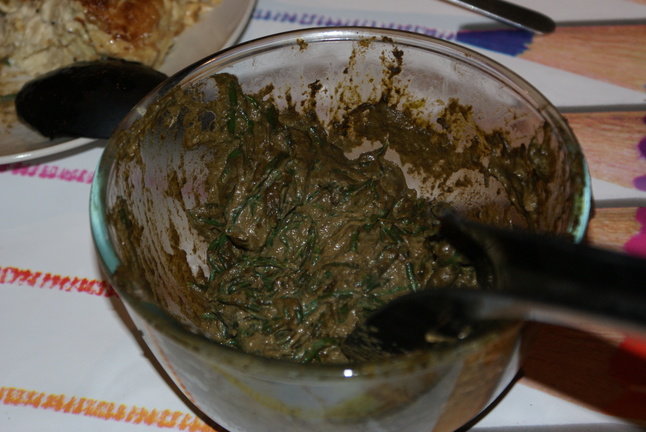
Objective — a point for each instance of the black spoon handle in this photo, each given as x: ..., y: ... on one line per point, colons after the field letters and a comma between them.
x: 579, y: 280
x: 524, y: 276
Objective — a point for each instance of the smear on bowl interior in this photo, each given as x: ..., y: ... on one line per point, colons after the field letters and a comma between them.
x: 302, y: 240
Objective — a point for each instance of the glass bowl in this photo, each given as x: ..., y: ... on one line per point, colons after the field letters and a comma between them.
x: 157, y: 178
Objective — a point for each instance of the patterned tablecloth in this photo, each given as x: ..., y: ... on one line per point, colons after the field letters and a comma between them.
x: 69, y: 360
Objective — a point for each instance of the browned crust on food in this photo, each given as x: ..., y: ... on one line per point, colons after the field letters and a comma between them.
x: 127, y: 20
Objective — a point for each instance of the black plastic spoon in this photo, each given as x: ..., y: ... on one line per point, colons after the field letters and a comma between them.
x: 85, y: 99
x: 525, y: 277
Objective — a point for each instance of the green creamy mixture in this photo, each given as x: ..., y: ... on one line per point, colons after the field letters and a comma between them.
x: 305, y: 242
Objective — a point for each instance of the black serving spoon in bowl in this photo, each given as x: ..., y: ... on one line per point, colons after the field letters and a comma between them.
x: 85, y: 99
x: 526, y: 277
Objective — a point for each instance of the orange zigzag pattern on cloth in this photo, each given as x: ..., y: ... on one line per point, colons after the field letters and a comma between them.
x: 104, y: 410
x: 36, y: 279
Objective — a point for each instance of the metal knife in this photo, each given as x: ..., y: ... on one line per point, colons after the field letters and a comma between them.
x: 509, y: 13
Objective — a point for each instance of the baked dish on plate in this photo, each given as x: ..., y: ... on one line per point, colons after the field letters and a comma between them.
x: 37, y: 36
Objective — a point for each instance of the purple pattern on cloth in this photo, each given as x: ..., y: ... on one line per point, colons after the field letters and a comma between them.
x: 640, y: 182
x: 637, y: 244
x: 512, y: 42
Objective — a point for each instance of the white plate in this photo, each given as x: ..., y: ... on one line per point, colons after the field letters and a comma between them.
x: 219, y: 29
